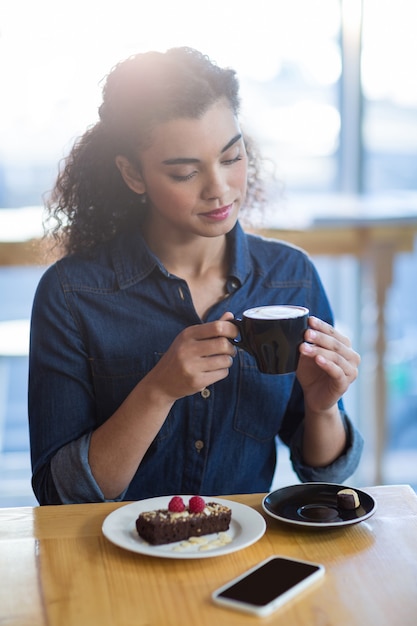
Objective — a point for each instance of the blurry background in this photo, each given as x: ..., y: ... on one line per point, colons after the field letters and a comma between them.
x: 330, y: 94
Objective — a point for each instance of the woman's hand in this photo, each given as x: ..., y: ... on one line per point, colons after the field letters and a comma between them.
x: 199, y: 356
x: 328, y: 365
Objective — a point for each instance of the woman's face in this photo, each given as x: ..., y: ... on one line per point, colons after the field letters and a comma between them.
x: 194, y: 174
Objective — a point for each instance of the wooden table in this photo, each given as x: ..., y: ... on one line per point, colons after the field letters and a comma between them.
x: 57, y: 569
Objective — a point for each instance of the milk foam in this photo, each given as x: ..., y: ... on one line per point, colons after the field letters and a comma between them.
x: 275, y: 312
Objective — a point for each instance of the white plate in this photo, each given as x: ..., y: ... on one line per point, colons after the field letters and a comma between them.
x: 246, y: 527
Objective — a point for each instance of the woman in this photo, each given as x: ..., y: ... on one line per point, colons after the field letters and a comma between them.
x: 135, y: 388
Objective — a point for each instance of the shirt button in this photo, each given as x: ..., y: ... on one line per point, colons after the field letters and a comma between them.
x: 199, y: 445
x: 206, y: 393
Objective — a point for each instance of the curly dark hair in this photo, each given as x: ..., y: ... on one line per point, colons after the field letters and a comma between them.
x: 90, y: 203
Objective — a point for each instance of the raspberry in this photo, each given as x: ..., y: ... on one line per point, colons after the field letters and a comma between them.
x: 176, y: 505
x: 196, y: 504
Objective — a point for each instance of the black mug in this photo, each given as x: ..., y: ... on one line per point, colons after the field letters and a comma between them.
x: 273, y: 334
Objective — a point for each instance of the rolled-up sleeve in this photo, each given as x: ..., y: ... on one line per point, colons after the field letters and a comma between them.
x: 338, y: 471
x: 72, y: 474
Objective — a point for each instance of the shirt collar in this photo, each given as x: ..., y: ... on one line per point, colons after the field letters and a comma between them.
x: 238, y: 255
x: 133, y: 261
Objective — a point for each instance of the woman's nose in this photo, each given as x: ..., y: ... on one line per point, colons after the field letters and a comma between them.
x: 215, y: 185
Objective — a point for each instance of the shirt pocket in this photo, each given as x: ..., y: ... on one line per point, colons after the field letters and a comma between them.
x: 262, y: 400
x: 114, y: 379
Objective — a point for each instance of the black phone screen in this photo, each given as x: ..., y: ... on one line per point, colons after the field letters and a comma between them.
x: 269, y: 581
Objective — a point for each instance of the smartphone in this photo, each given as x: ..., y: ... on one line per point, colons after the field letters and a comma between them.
x: 267, y: 586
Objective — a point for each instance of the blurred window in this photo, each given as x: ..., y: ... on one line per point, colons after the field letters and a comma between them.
x: 299, y: 65
x: 290, y: 87
x: 389, y: 54
x: 287, y: 55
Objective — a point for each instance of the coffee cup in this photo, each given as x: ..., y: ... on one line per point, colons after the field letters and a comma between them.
x: 272, y: 334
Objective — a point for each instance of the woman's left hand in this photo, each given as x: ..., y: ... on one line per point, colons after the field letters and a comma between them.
x: 327, y: 366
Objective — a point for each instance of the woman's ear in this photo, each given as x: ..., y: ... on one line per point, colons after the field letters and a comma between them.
x: 130, y: 174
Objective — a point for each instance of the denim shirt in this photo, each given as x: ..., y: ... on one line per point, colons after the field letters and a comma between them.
x: 100, y: 325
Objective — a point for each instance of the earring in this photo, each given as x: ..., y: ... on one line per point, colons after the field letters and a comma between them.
x: 142, y: 198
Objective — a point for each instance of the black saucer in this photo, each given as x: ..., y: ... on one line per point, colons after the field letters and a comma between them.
x: 315, y: 504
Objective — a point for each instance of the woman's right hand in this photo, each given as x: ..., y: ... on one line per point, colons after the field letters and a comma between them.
x: 199, y: 356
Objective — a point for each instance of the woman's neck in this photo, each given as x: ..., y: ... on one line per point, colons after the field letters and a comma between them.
x: 189, y: 256
x: 201, y: 261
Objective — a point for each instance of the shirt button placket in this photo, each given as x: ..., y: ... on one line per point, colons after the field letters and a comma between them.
x: 199, y: 434
x: 199, y: 445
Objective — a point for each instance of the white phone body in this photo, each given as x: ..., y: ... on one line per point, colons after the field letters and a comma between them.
x: 267, y: 586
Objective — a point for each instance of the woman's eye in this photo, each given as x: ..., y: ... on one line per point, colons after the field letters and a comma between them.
x: 231, y: 161
x: 180, y: 177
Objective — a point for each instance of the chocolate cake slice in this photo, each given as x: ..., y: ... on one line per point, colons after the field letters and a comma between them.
x: 164, y: 526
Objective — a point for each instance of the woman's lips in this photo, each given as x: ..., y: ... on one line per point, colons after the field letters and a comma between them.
x: 219, y: 214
